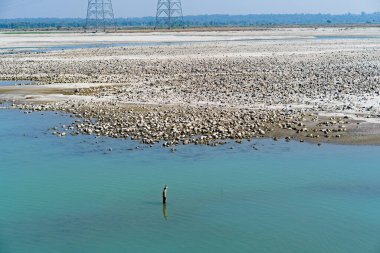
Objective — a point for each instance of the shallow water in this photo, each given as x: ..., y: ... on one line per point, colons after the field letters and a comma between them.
x: 18, y: 82
x: 355, y: 37
x: 15, y: 50
x: 73, y: 195
x: 44, y: 49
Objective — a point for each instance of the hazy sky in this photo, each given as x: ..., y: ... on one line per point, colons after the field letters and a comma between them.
x: 139, y: 8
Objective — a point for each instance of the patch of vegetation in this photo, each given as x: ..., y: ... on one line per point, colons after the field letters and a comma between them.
x: 201, y: 21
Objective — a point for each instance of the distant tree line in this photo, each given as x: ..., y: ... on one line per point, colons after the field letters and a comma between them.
x: 202, y: 21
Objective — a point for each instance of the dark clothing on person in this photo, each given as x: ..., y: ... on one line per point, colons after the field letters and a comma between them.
x: 164, y: 195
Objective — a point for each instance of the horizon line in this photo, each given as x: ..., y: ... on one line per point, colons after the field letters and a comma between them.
x: 215, y: 14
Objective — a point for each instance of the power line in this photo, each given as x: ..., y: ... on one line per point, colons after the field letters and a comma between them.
x: 169, y: 14
x: 99, y: 15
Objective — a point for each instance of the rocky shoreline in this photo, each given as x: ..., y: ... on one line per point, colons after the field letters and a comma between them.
x: 171, y: 126
x: 316, y: 91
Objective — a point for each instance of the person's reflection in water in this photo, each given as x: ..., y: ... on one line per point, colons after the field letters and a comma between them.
x: 165, y: 211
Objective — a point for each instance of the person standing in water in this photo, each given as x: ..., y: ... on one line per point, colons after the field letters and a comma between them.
x: 164, y: 194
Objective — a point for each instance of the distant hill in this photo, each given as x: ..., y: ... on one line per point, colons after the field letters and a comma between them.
x: 203, y: 21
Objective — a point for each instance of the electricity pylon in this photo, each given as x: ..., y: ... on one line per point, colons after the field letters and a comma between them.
x: 169, y: 14
x: 99, y: 15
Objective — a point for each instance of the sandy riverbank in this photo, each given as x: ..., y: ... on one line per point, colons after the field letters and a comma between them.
x: 226, y: 88
x: 31, y: 40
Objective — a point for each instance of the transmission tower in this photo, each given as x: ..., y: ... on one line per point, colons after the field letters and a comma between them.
x: 99, y: 15
x: 169, y: 14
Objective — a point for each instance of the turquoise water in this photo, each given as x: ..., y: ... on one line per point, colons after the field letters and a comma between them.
x: 72, y: 194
